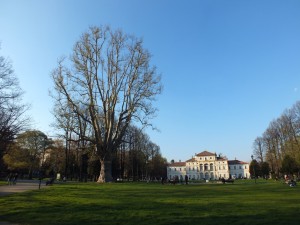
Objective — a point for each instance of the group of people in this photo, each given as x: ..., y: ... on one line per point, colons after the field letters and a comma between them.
x: 290, y: 180
x: 176, y: 180
x: 12, y: 178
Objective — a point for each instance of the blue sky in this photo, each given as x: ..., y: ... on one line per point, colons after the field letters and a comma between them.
x: 228, y: 67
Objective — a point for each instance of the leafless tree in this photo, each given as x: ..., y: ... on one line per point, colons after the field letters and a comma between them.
x: 258, y: 149
x: 12, y: 111
x: 109, y: 85
x: 281, y: 139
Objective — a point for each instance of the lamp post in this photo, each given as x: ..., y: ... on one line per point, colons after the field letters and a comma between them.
x: 253, y: 168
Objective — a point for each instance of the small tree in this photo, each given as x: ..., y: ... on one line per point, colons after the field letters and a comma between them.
x: 34, y: 143
x: 255, y: 170
x: 265, y: 169
x: 289, y: 165
x: 17, y: 159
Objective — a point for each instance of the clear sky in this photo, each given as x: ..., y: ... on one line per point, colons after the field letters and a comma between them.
x: 228, y: 67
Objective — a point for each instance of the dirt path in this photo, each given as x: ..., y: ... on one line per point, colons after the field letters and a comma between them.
x: 21, y: 186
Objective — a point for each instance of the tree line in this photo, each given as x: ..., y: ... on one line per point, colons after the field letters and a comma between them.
x: 279, y: 145
x: 34, y: 154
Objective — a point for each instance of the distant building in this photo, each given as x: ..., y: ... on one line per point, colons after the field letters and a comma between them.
x: 238, y: 169
x: 208, y: 166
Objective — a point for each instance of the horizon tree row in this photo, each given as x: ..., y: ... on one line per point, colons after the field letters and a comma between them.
x: 33, y: 154
x: 279, y: 145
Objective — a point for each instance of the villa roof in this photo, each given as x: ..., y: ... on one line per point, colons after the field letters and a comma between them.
x: 206, y: 153
x: 222, y: 159
x: 191, y: 160
x: 234, y: 162
x: 177, y: 164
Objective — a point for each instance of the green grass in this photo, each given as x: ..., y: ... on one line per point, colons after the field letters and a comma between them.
x: 267, y: 202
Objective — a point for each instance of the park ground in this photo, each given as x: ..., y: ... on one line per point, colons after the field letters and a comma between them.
x: 244, y: 202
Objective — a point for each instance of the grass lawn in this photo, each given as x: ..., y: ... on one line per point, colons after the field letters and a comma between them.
x: 267, y: 202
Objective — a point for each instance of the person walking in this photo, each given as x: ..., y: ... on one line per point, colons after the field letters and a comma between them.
x: 10, y: 179
x: 15, y: 177
x: 186, y: 178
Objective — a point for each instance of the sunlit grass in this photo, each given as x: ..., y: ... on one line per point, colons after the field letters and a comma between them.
x: 267, y: 202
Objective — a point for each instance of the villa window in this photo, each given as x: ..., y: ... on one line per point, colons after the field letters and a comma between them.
x: 205, y: 167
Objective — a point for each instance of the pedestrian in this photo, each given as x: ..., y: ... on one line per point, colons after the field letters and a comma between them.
x: 15, y: 177
x: 10, y: 179
x: 40, y: 181
x: 186, y: 178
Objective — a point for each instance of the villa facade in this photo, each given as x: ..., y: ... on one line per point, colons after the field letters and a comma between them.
x: 208, y: 166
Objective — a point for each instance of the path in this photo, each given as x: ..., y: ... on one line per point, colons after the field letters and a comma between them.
x: 21, y: 186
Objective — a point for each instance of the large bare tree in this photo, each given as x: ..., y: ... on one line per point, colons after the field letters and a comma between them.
x: 108, y: 83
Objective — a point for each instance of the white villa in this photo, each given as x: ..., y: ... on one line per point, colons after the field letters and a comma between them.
x: 208, y: 166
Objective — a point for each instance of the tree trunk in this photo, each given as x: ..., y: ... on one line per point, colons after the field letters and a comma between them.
x: 105, y: 172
